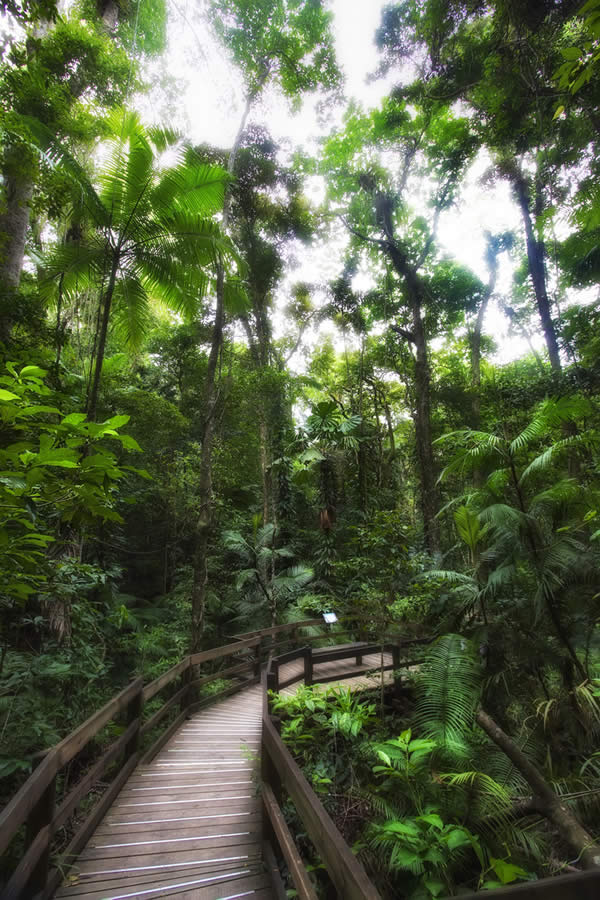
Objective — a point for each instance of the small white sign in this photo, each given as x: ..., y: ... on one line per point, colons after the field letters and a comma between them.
x: 330, y: 618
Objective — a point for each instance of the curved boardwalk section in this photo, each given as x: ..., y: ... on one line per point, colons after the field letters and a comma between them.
x: 188, y: 824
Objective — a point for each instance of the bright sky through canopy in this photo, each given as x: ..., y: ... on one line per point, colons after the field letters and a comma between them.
x: 206, y: 100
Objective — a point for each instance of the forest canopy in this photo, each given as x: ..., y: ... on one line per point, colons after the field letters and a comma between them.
x: 340, y: 355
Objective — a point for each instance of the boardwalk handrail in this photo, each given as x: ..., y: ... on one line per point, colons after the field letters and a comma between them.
x: 280, y: 769
x: 34, y: 804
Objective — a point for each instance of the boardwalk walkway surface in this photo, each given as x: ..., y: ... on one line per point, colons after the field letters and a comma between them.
x: 187, y: 825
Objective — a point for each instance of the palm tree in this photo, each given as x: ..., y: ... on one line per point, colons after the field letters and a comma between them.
x: 537, y: 536
x: 149, y: 233
x: 263, y: 590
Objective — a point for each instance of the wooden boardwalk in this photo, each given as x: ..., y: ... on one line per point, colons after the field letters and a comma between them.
x: 367, y: 677
x: 188, y: 825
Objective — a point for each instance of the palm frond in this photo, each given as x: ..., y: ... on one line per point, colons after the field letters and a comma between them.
x: 448, y: 692
x: 131, y: 310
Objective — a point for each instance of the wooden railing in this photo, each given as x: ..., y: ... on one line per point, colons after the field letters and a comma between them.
x: 36, y: 810
x: 280, y: 772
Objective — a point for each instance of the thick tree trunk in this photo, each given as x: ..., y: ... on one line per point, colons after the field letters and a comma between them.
x: 14, y: 223
x: 545, y: 800
x: 537, y: 271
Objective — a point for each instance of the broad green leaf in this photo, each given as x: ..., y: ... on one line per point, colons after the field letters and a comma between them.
x: 571, y: 52
x: 507, y: 872
x: 74, y: 419
x: 33, y: 371
x: 117, y: 421
x: 7, y: 396
x: 432, y: 819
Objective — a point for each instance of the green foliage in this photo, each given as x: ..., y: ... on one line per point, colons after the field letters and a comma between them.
x: 283, y: 40
x: 449, y: 686
x: 264, y: 587
x: 57, y: 471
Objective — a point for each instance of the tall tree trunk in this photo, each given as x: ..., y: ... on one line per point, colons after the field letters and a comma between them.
x: 105, y: 304
x: 546, y: 800
x: 476, y: 341
x: 429, y: 490
x: 205, y: 500
x: 263, y: 430
x: 14, y: 222
x: 537, y: 271
x: 430, y: 494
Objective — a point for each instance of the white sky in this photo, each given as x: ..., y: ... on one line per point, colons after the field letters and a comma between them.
x: 206, y: 101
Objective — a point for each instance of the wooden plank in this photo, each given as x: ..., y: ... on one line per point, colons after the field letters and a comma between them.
x: 176, y: 824
x: 25, y: 870
x: 166, y: 678
x: 160, y: 742
x: 18, y: 809
x: 294, y: 678
x: 347, y: 874
x: 291, y: 655
x: 155, y: 859
x: 352, y: 673
x: 294, y: 862
x: 87, y: 829
x: 227, y: 650
x: 278, y: 891
x: 126, y: 846
x: 199, y: 885
x: 326, y: 654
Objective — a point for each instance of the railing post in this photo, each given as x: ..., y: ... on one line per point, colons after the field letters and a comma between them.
x: 40, y: 816
x: 308, y: 666
x: 186, y: 680
x: 396, y: 664
x: 258, y: 659
x: 273, y: 677
x: 134, y: 711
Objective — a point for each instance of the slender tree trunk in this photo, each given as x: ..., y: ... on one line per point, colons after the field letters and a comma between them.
x: 430, y: 494
x: 476, y: 343
x: 267, y: 492
x: 537, y: 271
x: 546, y: 800
x: 106, y: 303
x: 205, y: 502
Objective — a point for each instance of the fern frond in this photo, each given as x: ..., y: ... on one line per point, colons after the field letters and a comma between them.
x: 448, y: 693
